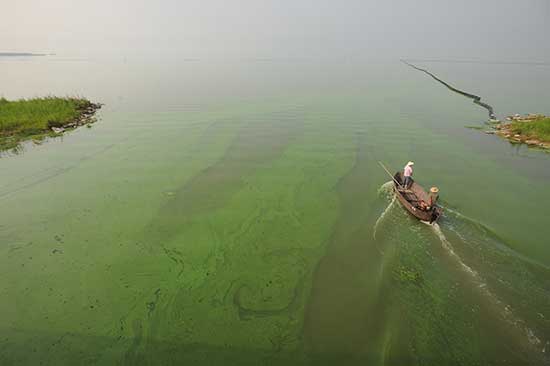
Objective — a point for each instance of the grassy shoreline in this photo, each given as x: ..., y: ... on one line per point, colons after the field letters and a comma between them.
x: 532, y: 130
x: 537, y: 129
x: 37, y: 118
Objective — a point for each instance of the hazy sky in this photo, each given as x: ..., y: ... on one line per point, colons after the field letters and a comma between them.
x: 488, y: 29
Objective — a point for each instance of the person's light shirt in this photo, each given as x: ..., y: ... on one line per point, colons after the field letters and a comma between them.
x: 408, y: 171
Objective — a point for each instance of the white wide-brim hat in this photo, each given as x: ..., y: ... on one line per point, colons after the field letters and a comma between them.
x: 410, y: 163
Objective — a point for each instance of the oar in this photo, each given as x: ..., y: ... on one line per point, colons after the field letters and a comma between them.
x: 387, y: 171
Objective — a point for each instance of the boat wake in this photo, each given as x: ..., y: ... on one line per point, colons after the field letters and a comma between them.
x: 501, y: 279
x: 492, y: 300
x: 460, y: 223
x: 381, y: 217
x: 386, y: 190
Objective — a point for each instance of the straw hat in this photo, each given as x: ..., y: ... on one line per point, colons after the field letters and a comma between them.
x: 410, y: 163
x: 434, y: 190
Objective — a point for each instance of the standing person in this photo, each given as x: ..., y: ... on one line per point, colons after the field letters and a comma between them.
x: 407, y: 173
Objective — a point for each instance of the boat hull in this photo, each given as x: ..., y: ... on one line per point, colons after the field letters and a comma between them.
x: 408, y: 199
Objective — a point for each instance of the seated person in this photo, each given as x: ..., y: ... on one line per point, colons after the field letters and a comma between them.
x: 423, y: 205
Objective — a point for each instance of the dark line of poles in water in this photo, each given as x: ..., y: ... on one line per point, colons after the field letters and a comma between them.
x: 475, y: 98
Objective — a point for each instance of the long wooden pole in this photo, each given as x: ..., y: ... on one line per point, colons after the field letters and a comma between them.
x: 387, y: 171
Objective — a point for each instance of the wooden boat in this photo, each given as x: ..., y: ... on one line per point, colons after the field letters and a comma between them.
x: 415, y: 199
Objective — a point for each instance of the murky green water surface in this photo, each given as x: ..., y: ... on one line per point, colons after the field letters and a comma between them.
x: 234, y: 213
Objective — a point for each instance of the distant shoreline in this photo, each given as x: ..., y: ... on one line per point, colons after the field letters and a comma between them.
x: 23, y: 54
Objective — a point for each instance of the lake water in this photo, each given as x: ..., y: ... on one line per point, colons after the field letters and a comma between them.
x: 233, y: 212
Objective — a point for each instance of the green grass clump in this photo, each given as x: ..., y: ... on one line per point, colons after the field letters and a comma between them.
x: 537, y: 129
x: 407, y: 275
x: 25, y: 118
